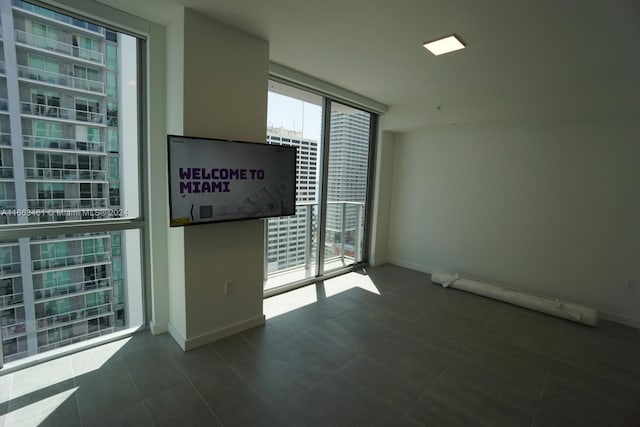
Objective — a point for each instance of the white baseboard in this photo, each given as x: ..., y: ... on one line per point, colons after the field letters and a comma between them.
x: 418, y: 267
x: 377, y: 262
x: 605, y: 315
x: 634, y: 323
x: 177, y: 336
x: 209, y: 337
x: 158, y: 328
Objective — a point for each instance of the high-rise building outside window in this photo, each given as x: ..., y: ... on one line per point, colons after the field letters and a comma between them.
x: 68, y: 157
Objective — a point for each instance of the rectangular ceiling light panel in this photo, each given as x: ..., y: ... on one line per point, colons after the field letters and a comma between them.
x: 444, y: 45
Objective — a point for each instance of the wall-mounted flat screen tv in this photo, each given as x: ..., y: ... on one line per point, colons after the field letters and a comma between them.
x: 213, y: 180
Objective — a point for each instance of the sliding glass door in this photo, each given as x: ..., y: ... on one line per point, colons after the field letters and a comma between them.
x: 295, y: 119
x: 333, y: 166
x: 347, y: 185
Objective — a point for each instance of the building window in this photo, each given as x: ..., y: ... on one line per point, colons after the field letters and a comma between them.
x: 67, y: 288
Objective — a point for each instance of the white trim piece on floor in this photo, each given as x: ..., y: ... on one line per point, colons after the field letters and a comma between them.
x: 218, y: 334
x: 605, y: 315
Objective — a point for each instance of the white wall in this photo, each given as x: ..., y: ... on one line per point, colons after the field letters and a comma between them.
x: 174, y: 66
x: 224, y: 81
x: 381, y: 197
x: 549, y: 206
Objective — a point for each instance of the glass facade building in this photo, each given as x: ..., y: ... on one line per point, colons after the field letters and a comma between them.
x: 287, y: 238
x: 60, y: 160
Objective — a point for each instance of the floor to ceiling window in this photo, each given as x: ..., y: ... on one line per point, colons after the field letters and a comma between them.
x: 333, y: 167
x: 70, y: 217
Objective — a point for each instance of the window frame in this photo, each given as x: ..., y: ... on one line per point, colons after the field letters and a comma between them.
x: 139, y: 29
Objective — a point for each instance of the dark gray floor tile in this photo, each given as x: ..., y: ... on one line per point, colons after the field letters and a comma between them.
x: 280, y: 372
x: 329, y: 308
x: 4, y: 410
x: 331, y: 349
x: 263, y: 335
x: 529, y: 376
x: 407, y: 421
x: 402, y: 306
x: 388, y: 278
x: 607, y: 387
x: 336, y: 401
x: 142, y: 341
x: 469, y: 305
x: 215, y: 381
x: 593, y: 402
x: 416, y: 354
x: 441, y: 317
x: 131, y: 416
x: 603, y: 332
x: 236, y: 404
x: 111, y: 383
x: 179, y: 405
x: 292, y: 322
x: 552, y: 413
x: 439, y: 332
x: 430, y: 411
x: 153, y: 371
x: 409, y: 358
x: 499, y: 347
x: 499, y: 386
x: 606, y: 357
x: 477, y: 404
x: 381, y: 316
x: 198, y: 362
x: 356, y: 330
x: 389, y: 387
x: 524, y: 328
x: 233, y: 348
x: 428, y: 293
x: 355, y: 297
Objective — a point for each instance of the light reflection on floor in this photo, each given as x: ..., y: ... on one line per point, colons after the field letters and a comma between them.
x: 289, y: 301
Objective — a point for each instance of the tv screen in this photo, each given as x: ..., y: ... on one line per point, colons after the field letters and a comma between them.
x: 213, y: 180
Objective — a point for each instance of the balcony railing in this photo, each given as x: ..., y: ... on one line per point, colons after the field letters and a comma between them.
x: 7, y: 204
x: 65, y: 174
x: 11, y: 299
x: 5, y: 139
x: 350, y: 224
x: 83, y: 337
x: 13, y: 330
x: 58, y: 46
x: 71, y: 261
x: 72, y: 316
x: 62, y: 144
x: 72, y: 288
x: 10, y: 269
x: 60, y: 79
x: 15, y: 356
x: 59, y: 17
x: 95, y: 203
x: 344, y: 249
x: 54, y: 111
x: 6, y: 171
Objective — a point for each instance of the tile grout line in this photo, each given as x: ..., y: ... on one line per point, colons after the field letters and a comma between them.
x: 195, y: 389
x: 135, y: 385
x: 548, y: 374
x: 235, y: 371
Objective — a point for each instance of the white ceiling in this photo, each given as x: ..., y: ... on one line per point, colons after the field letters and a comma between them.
x: 374, y: 47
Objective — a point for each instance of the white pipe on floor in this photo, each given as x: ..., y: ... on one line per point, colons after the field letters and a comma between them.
x: 552, y: 306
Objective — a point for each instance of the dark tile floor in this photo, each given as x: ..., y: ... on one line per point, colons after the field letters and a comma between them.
x: 416, y: 354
